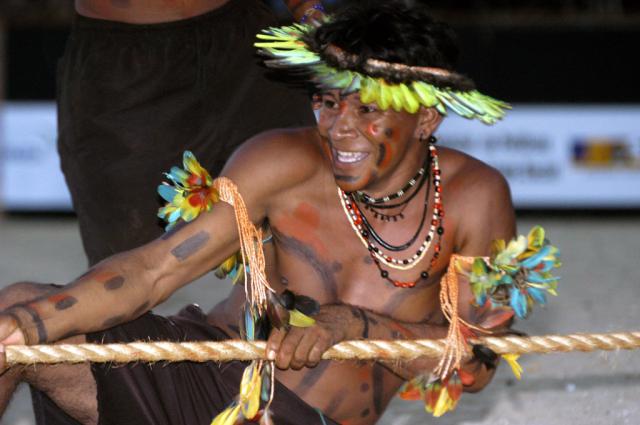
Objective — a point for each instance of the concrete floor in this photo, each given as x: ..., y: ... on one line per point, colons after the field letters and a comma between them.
x: 599, y: 292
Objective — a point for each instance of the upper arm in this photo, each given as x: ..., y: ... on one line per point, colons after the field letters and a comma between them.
x: 487, y: 213
x: 260, y: 172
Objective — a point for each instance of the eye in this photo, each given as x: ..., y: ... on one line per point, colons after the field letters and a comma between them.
x: 367, y: 109
x: 329, y: 103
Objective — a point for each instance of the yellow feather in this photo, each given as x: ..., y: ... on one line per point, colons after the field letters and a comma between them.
x: 368, y: 90
x: 512, y: 360
x: 384, y: 99
x: 425, y: 93
x: 396, y: 98
x: 411, y: 104
x: 300, y: 320
x: 250, y: 391
x: 227, y: 417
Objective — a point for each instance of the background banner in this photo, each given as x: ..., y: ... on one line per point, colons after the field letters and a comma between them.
x: 554, y: 156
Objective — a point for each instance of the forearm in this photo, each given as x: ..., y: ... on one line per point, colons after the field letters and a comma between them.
x: 114, y: 291
x: 380, y: 327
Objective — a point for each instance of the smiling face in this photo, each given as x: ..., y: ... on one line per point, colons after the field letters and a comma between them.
x: 366, y: 145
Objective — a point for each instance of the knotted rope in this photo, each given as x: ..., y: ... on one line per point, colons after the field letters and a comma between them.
x: 348, y: 350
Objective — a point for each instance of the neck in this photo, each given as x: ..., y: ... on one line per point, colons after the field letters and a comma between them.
x: 413, y: 160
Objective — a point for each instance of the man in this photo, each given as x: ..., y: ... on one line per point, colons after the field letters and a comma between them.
x: 356, y: 208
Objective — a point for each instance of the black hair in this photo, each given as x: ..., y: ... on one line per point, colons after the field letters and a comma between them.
x: 389, y: 30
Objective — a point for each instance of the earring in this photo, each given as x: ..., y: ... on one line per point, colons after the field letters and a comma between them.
x: 431, y: 140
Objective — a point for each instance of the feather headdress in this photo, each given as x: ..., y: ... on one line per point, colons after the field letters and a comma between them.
x: 390, y: 85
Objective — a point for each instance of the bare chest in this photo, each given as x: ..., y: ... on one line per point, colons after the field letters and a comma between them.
x: 320, y: 254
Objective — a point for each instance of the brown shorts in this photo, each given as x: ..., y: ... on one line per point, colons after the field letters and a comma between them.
x: 185, y: 393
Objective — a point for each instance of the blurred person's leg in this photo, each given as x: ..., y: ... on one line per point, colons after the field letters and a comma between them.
x: 71, y: 386
x: 132, y: 98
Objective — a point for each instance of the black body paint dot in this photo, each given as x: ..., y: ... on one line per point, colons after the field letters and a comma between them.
x: 66, y: 302
x: 114, y: 283
x: 388, y: 132
x: 365, y: 413
x: 192, y: 245
x: 364, y: 387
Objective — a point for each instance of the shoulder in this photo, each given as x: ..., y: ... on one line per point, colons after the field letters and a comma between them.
x: 276, y: 161
x: 478, y: 201
x: 474, y: 180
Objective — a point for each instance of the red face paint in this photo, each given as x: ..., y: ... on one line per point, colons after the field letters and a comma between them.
x: 102, y: 277
x: 57, y: 298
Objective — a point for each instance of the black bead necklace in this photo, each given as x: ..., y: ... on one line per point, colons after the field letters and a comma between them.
x: 376, y: 237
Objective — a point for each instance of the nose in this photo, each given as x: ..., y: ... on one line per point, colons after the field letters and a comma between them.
x: 343, y: 125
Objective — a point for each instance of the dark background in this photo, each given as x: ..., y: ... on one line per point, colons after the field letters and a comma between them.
x: 558, y: 51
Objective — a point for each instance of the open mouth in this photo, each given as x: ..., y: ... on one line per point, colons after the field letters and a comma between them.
x: 347, y: 157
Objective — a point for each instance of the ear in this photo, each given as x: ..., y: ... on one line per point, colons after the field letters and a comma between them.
x: 316, y: 101
x: 429, y: 120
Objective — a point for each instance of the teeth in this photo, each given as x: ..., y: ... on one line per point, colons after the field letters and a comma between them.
x: 350, y: 157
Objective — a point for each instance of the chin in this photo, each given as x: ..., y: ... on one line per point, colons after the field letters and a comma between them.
x: 350, y: 183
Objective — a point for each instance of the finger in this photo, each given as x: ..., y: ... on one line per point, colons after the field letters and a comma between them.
x: 273, y: 344
x: 288, y: 347
x: 315, y: 354
x: 10, y: 333
x: 7, y: 325
x: 3, y: 359
x: 301, y: 357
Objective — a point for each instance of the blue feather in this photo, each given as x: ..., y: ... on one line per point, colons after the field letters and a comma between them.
x: 538, y: 295
x: 167, y: 192
x: 533, y: 261
x: 518, y: 303
x: 249, y: 324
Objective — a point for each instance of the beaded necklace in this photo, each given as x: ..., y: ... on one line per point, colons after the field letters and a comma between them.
x: 355, y: 218
x: 383, y: 216
x: 361, y: 196
x: 372, y: 232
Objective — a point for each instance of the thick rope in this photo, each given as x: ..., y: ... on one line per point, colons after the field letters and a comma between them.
x: 349, y: 350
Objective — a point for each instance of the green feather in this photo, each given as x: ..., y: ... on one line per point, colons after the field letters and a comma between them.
x: 411, y: 104
x: 384, y: 99
x: 425, y: 93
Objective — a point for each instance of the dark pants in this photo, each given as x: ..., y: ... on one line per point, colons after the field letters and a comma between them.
x: 185, y: 393
x: 132, y: 98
